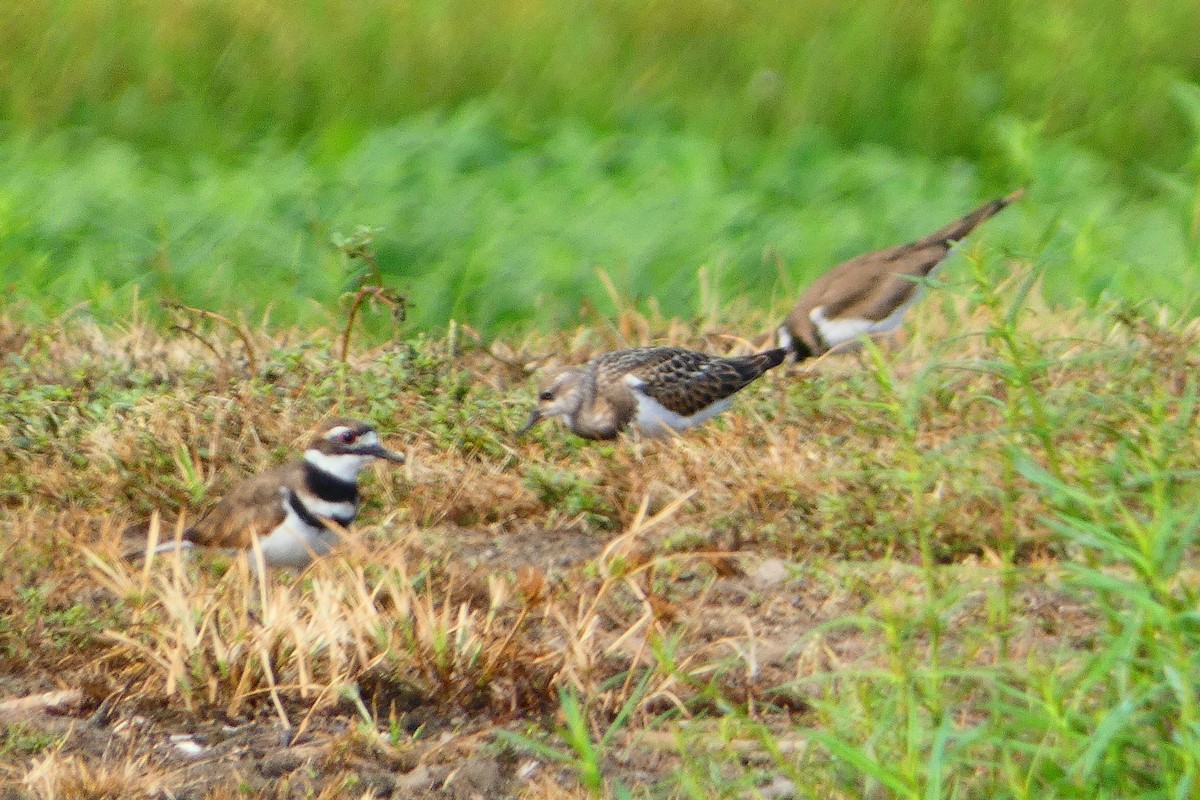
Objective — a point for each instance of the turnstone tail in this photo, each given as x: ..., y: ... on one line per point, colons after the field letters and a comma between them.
x: 870, y: 293
x: 655, y: 389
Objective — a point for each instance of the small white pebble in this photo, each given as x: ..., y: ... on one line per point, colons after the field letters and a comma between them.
x: 769, y: 574
x: 526, y: 770
x: 189, y: 748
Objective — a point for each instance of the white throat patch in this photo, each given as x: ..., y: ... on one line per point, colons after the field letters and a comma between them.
x: 345, y: 466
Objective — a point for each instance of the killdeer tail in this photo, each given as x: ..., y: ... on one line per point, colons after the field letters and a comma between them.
x: 167, y: 547
x: 962, y: 227
x: 136, y: 553
x: 136, y: 540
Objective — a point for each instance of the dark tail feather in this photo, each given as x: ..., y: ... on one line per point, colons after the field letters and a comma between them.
x: 799, y: 349
x: 761, y: 362
x: 791, y: 343
x: 962, y: 227
x: 773, y: 358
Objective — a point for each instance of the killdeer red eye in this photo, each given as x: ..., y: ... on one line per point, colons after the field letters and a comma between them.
x: 347, y: 437
x: 546, y: 395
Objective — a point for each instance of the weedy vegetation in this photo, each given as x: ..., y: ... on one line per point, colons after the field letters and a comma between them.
x: 961, y: 565
x: 935, y: 77
x: 470, y: 222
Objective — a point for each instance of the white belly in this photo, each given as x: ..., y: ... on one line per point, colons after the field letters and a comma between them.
x: 654, y: 419
x: 844, y: 329
x: 295, y: 543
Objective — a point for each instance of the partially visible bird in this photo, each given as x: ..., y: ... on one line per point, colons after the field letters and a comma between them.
x: 287, y: 507
x: 869, y: 294
x: 656, y: 389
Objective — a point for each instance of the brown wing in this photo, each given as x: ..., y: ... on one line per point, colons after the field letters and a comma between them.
x: 253, y: 506
x: 685, y: 381
x: 851, y: 283
x: 868, y: 285
x: 876, y: 284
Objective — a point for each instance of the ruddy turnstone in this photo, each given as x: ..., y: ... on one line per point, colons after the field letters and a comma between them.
x: 656, y: 389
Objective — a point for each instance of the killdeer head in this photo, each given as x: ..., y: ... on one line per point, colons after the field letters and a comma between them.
x: 288, y: 508
x: 657, y: 390
x: 869, y: 295
x: 344, y: 446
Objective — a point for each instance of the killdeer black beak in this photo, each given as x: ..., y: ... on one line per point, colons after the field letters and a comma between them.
x: 534, y: 419
x: 379, y: 451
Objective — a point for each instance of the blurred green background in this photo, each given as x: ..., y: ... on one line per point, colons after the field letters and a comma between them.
x: 506, y: 152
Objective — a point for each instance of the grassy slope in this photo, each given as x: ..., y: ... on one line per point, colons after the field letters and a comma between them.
x: 985, y: 582
x: 483, y: 227
x: 964, y: 570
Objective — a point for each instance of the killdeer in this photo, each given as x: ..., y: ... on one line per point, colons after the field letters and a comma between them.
x: 287, y: 507
x: 656, y: 389
x: 869, y: 294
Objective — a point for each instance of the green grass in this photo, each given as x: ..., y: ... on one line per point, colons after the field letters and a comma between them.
x: 505, y: 152
x: 474, y: 224
x: 17, y: 741
x: 987, y: 538
x: 931, y: 77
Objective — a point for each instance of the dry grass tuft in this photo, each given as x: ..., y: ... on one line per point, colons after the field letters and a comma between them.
x: 58, y: 777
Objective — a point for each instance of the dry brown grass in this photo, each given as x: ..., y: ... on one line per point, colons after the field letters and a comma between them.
x: 662, y: 583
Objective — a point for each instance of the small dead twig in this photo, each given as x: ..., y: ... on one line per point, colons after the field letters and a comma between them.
x: 20, y: 708
x: 189, y: 313
x: 370, y: 288
x: 376, y: 294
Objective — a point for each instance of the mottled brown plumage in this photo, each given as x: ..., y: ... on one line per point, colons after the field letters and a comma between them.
x: 869, y: 294
x: 658, y: 389
x: 682, y: 381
